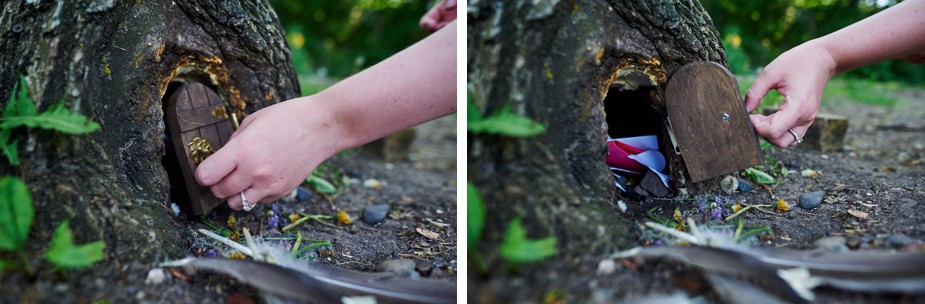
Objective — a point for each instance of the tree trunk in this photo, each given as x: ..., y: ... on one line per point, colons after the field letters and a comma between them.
x: 112, y: 61
x: 556, y: 62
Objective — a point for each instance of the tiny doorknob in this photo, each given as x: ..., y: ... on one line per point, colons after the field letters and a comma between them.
x: 199, y: 148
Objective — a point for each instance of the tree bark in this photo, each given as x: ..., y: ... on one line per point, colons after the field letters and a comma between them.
x: 112, y: 61
x: 555, y: 62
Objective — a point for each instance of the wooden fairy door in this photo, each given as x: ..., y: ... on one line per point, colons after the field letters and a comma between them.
x: 199, y: 125
x: 709, y: 122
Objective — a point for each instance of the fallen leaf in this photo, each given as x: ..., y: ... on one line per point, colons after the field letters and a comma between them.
x: 858, y: 214
x: 427, y: 233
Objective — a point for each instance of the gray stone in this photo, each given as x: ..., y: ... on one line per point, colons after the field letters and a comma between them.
x: 302, y: 194
x: 811, y: 200
x: 745, y: 186
x: 832, y: 243
x: 375, y: 213
x: 853, y: 243
x: 156, y: 276
x: 899, y: 240
x: 400, y: 267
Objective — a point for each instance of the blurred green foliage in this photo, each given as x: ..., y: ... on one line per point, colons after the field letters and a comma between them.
x: 339, y: 38
x: 756, y: 32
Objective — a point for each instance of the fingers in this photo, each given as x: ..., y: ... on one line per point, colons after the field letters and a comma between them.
x: 776, y: 127
x: 253, y: 197
x: 214, y: 168
x: 231, y: 185
x: 430, y: 19
x: 757, y: 91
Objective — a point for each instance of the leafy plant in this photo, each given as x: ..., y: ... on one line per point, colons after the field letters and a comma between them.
x: 475, y: 212
x: 758, y: 176
x: 320, y: 184
x: 16, y: 216
x: 21, y: 111
x: 517, y: 248
x: 16, y: 211
x: 64, y: 254
x: 502, y: 121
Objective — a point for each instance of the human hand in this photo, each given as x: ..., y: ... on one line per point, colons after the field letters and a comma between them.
x: 270, y: 154
x: 439, y: 15
x: 800, y: 75
x: 917, y: 58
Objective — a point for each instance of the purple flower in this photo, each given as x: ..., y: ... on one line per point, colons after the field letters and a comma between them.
x: 275, y: 209
x: 716, y: 213
x: 273, y: 221
x: 211, y: 253
x: 701, y: 203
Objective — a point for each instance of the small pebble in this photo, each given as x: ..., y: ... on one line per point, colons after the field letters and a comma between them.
x: 832, y: 243
x: 745, y: 186
x: 899, y: 240
x: 622, y: 205
x: 400, y: 267
x: 811, y: 200
x: 606, y: 267
x: 375, y: 213
x: 302, y: 194
x: 423, y: 267
x: 372, y: 184
x: 853, y: 243
x: 156, y: 276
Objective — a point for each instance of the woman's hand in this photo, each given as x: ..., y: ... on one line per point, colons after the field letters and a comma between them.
x: 271, y: 153
x: 439, y: 16
x: 799, y: 74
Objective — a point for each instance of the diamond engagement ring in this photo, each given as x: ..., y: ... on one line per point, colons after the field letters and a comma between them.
x: 247, y: 205
x: 795, y: 136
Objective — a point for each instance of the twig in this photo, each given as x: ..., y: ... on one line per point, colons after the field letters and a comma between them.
x: 743, y: 211
x: 304, y: 218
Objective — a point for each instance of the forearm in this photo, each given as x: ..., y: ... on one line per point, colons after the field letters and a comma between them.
x: 893, y: 33
x: 413, y: 86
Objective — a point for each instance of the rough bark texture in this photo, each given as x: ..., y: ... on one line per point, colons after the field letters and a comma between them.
x: 112, y: 61
x: 555, y: 61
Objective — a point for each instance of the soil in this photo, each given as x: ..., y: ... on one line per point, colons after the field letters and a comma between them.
x: 880, y: 173
x: 421, y: 193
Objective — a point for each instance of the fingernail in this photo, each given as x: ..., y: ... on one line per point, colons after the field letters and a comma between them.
x: 202, y: 174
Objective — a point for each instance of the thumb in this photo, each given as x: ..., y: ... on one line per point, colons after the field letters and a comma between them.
x: 216, y: 166
x: 757, y: 91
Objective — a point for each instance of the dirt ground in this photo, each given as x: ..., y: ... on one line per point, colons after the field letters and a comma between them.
x: 880, y: 173
x: 420, y: 227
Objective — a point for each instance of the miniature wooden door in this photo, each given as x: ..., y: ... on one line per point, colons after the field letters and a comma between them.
x: 709, y: 122
x: 199, y: 125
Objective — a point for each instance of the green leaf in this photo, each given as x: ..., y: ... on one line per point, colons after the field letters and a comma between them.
x: 64, y: 254
x: 20, y: 104
x: 505, y: 122
x: 474, y: 114
x: 475, y: 215
x: 58, y: 118
x: 16, y: 213
x: 517, y: 248
x: 320, y: 184
x: 758, y: 176
x: 9, y: 148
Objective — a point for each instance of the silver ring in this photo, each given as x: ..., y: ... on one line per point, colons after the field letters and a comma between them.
x: 247, y: 205
x: 795, y: 136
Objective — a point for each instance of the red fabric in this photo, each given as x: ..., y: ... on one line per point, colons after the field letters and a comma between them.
x: 618, y: 156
